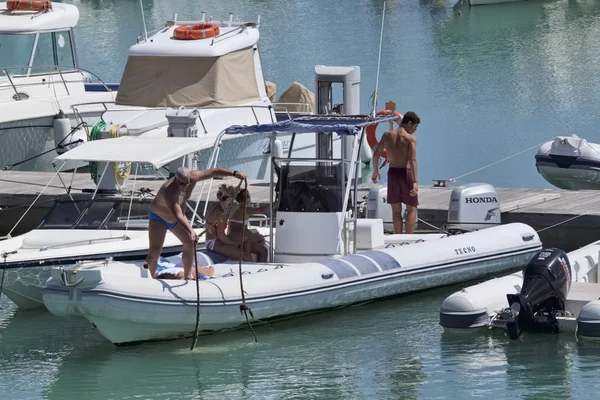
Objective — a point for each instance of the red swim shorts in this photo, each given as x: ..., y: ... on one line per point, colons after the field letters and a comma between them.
x: 400, y: 183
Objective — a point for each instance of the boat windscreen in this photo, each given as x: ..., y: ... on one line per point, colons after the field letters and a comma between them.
x: 310, y: 188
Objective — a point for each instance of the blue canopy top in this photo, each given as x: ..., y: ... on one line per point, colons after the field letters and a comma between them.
x: 341, y: 125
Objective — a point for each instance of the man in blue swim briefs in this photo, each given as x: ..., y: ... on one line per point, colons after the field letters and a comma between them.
x: 401, y: 148
x: 167, y: 213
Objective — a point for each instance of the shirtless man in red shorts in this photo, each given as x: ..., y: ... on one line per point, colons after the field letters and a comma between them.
x: 401, y: 149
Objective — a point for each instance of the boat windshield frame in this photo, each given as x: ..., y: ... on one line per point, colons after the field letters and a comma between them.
x: 55, y: 39
x: 346, y: 183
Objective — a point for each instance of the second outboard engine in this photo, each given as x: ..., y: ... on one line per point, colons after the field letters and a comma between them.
x: 546, y: 283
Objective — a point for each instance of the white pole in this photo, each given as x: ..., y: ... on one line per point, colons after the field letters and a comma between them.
x: 131, y: 200
x: 144, y: 20
x: 376, y: 93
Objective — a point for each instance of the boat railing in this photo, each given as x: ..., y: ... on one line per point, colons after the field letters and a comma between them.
x: 125, y: 109
x: 14, y: 76
x: 229, y: 23
x: 299, y: 108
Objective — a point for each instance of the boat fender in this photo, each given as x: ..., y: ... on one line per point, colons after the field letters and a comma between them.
x: 65, y: 138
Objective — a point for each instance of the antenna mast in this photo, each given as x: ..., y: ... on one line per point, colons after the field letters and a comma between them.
x: 144, y: 20
x: 376, y: 93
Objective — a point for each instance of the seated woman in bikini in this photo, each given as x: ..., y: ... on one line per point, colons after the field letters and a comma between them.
x: 216, y: 239
x: 253, y: 242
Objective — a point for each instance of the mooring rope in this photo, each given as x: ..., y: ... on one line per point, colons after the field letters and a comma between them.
x: 431, y: 225
x: 244, y: 309
x: 494, y: 163
x: 562, y: 222
x: 196, y: 330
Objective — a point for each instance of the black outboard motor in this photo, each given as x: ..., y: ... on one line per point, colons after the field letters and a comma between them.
x: 546, y: 283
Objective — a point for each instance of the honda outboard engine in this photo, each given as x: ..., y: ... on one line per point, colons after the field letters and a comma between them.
x: 546, y: 283
x: 472, y: 207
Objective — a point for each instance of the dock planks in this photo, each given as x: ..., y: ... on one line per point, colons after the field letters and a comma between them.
x: 539, y: 208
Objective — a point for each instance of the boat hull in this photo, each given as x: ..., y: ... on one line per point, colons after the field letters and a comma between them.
x: 167, y: 309
x: 570, y: 162
x: 576, y: 177
x: 23, y: 286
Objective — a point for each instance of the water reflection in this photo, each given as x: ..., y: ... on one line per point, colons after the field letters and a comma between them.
x: 534, y: 366
x: 360, y: 352
x: 540, y: 365
x: 32, y: 345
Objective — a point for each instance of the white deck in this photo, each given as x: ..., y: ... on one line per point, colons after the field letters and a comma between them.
x: 231, y: 38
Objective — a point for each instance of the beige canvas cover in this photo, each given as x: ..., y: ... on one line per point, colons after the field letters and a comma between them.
x: 297, y: 93
x: 151, y: 81
x: 271, y: 90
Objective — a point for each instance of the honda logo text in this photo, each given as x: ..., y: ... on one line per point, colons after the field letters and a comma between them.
x: 481, y: 200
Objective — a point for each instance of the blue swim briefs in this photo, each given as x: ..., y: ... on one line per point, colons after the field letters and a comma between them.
x: 155, y: 217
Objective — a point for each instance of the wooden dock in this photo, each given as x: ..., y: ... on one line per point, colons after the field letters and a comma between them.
x: 539, y: 208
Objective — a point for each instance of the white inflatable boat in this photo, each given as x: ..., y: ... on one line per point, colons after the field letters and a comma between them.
x: 556, y: 292
x: 569, y: 162
x: 322, y: 258
x: 126, y: 305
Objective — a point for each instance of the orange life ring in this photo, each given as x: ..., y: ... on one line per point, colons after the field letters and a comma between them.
x: 27, y: 5
x: 371, y: 133
x: 196, y: 31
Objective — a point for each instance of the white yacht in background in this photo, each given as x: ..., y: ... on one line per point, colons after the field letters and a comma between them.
x: 208, y: 80
x: 39, y: 82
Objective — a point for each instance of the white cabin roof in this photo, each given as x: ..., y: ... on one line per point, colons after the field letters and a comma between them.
x: 232, y: 37
x: 61, y: 16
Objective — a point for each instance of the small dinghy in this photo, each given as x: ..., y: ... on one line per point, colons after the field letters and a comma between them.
x: 322, y: 257
x: 569, y: 162
x: 556, y: 292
